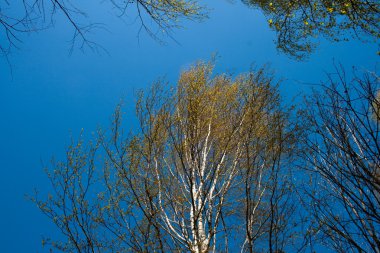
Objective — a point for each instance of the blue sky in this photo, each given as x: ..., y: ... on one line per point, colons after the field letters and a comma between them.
x: 52, y: 94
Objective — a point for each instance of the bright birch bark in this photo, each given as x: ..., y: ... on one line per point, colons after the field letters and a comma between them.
x: 199, y: 159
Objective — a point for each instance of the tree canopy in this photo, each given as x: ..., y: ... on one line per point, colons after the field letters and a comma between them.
x: 18, y: 17
x: 299, y: 23
x: 208, y: 169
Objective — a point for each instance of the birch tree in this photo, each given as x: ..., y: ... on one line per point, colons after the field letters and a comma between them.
x: 270, y: 148
x: 172, y: 184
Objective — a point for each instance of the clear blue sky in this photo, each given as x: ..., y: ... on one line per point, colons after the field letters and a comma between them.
x: 52, y: 94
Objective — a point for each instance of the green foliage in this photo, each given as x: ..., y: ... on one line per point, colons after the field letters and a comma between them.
x: 298, y: 23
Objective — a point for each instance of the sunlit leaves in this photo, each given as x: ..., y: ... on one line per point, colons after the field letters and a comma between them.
x: 171, y: 184
x: 298, y: 23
